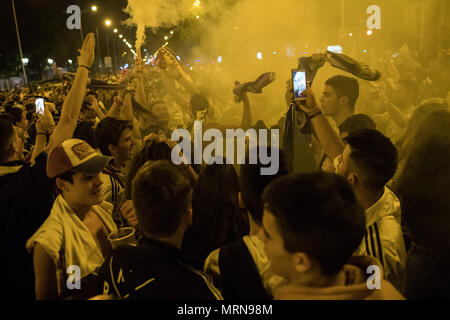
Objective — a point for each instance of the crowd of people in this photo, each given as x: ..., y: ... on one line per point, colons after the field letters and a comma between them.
x: 360, y: 187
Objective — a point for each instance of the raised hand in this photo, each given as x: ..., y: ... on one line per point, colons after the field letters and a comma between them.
x: 87, y: 55
x: 311, y: 103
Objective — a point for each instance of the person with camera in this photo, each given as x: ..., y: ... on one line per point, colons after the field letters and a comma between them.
x: 368, y: 160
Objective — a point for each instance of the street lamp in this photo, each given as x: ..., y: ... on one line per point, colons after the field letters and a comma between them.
x: 70, y: 61
x: 20, y: 44
x: 120, y: 36
x: 25, y: 61
x: 107, y: 22
x: 369, y: 32
x: 94, y: 8
x: 50, y: 61
x: 115, y: 30
x: 166, y: 38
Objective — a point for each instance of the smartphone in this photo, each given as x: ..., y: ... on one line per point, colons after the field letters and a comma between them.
x: 299, y: 84
x: 40, y: 105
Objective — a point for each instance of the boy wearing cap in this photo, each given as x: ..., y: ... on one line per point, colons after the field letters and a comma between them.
x: 76, y: 230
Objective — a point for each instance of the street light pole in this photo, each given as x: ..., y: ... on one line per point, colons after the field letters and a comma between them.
x: 99, y: 51
x: 20, y: 46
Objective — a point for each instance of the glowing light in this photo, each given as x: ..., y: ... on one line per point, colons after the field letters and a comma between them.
x: 25, y: 61
x: 259, y: 55
x: 120, y: 36
x: 365, y: 51
x: 69, y: 61
x: 50, y: 61
x: 124, y: 40
x: 369, y: 32
x: 197, y: 3
x: 166, y: 38
x: 191, y: 68
x: 115, y: 30
x: 350, y: 34
x: 197, y: 17
x: 335, y: 48
x: 171, y: 32
x: 274, y: 53
x: 108, y: 22
x: 94, y: 8
x: 219, y: 59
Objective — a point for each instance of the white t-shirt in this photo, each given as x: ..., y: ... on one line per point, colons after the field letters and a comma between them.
x: 64, y: 230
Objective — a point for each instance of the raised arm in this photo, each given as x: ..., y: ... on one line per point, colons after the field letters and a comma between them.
x: 72, y: 104
x: 141, y: 98
x: 247, y: 113
x: 328, y: 138
x: 127, y: 114
x: 94, y: 105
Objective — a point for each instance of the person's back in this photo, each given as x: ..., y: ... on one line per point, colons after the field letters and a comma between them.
x: 26, y: 197
x: 156, y: 268
x: 423, y: 190
x: 217, y: 219
x: 241, y: 268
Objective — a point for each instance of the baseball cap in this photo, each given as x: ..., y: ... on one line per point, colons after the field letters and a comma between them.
x: 77, y: 155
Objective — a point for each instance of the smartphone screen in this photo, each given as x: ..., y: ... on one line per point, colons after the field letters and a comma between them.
x: 299, y: 84
x: 39, y: 102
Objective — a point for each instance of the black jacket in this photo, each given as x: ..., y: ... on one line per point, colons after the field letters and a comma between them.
x: 154, y: 270
x: 26, y: 198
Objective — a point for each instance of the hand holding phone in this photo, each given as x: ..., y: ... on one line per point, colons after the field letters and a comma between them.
x: 299, y: 84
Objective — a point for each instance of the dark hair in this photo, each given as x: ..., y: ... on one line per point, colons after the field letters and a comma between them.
x: 345, y: 87
x: 375, y: 155
x: 161, y: 195
x: 252, y: 182
x: 150, y: 151
x: 318, y: 214
x: 66, y: 176
x: 217, y: 218
x: 86, y: 131
x: 199, y: 103
x: 415, y: 129
x: 6, y: 135
x: 357, y: 122
x: 108, y: 132
x: 423, y: 193
x: 92, y: 93
x: 15, y: 112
